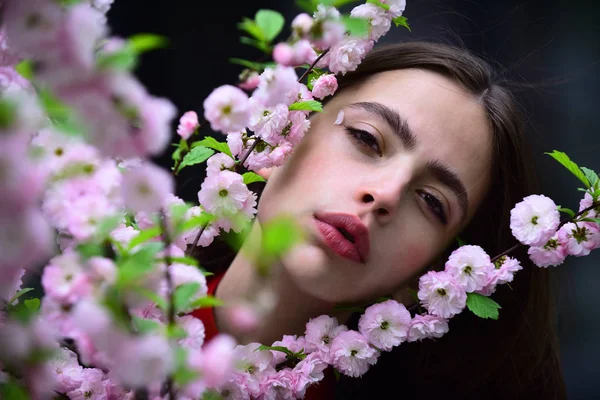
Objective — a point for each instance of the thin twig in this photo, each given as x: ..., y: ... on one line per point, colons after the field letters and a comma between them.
x: 170, y: 289
x: 196, y: 240
x: 254, y: 144
x: 313, y: 65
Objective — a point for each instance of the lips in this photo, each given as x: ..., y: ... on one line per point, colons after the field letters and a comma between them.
x: 345, y: 234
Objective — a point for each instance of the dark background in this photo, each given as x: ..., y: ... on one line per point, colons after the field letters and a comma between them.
x: 551, y: 49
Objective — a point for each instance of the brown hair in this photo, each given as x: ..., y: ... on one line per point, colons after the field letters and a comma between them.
x: 515, y: 356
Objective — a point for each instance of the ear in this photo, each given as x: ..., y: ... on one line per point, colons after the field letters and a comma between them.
x: 265, y: 172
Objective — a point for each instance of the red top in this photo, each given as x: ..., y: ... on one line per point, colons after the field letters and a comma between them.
x: 324, y: 390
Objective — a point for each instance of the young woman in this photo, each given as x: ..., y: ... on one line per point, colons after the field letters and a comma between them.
x: 418, y: 146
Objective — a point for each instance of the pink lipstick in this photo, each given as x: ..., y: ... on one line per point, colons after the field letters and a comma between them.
x: 344, y: 234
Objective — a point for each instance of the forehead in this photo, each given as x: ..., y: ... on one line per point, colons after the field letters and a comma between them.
x: 449, y: 123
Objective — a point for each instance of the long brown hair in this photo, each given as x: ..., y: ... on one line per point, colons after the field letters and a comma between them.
x: 515, y: 356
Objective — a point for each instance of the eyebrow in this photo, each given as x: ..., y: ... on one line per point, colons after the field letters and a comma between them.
x: 400, y: 127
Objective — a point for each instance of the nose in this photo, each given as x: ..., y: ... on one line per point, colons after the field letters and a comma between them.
x: 381, y: 194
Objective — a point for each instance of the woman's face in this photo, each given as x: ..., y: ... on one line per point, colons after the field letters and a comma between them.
x: 410, y: 159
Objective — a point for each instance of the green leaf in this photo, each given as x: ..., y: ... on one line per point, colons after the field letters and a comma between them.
x: 211, y: 395
x: 63, y: 118
x: 482, y: 306
x: 185, y: 260
x: 212, y: 143
x: 12, y: 391
x: 154, y: 297
x: 195, y: 222
x: 378, y: 3
x: 591, y: 176
x: 90, y: 249
x: 337, y: 374
x: 566, y: 162
x: 144, y: 236
x: 270, y: 23
x: 309, y: 105
x: 276, y: 348
x: 124, y: 59
x: 143, y: 325
x: 69, y: 3
x: 340, y: 3
x: 255, y: 66
x: 206, y: 302
x: 313, y: 75
x: 460, y: 241
x: 8, y: 112
x: 249, y: 26
x: 137, y: 264
x: 278, y: 236
x: 197, y: 155
x: 357, y: 27
x: 143, y: 42
x: 25, y: 69
x: 251, y: 177
x: 307, y: 5
x: 184, y: 294
x: 106, y: 226
x: 565, y: 210
x: 414, y: 295
x: 262, y: 46
x: 401, y: 21
x: 19, y: 294
x: 33, y: 305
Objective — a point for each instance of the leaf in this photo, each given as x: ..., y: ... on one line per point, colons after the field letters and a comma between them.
x: 89, y: 250
x: 255, y: 66
x: 249, y: 26
x: 137, y: 264
x: 401, y: 21
x: 205, y: 302
x: 460, y: 241
x: 482, y: 306
x: 144, y: 325
x: 270, y: 23
x: 591, y: 176
x: 313, y: 75
x: 212, y: 143
x: 197, y: 155
x: 63, y: 118
x: 144, y: 236
x: 182, y: 298
x: 251, y: 177
x: 276, y: 348
x: 307, y: 5
x: 33, y: 305
x: 12, y: 391
x: 280, y: 235
x: 414, y: 295
x: 106, y: 226
x: 566, y: 162
x: 262, y: 46
x: 19, y: 294
x: 211, y: 395
x: 378, y: 3
x: 565, y: 210
x: 143, y: 42
x: 195, y: 222
x: 340, y: 3
x: 185, y: 260
x: 309, y: 105
x: 357, y: 27
x: 8, y: 112
x: 25, y: 69
x: 124, y: 59
x: 154, y: 297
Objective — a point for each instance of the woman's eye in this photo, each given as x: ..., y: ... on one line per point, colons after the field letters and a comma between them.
x: 435, y: 206
x: 364, y: 139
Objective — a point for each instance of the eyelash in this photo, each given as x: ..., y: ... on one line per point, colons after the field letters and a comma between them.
x: 364, y: 139
x: 367, y: 140
x: 435, y: 206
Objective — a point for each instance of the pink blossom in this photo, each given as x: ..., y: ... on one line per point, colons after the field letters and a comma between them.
x: 385, y: 325
x: 254, y: 365
x: 303, y: 53
x: 324, y: 86
x: 11, y: 281
x: 144, y: 360
x: 240, y: 387
x: 19, y: 341
x: 25, y: 239
x: 280, y: 154
x: 68, y: 374
x: 396, y: 7
x: 502, y: 273
x: 427, y: 326
x: 586, y: 202
x: 242, y: 317
x: 332, y: 33
x: 579, y: 239
x: 188, y: 123
x: 283, y: 54
x: 279, y: 386
x: 93, y: 386
x: 270, y: 123
x: 324, y: 12
x: 208, y: 234
x: 215, y: 362
x: 299, y: 126
x: 259, y: 158
x: 470, y: 266
x: 64, y: 279
x: 218, y: 163
x: 250, y: 82
x: 301, y: 24
x: 9, y: 78
x: 441, y: 294
x: 194, y: 329
x: 351, y: 354
x: 320, y: 333
x: 123, y: 234
x: 534, y: 220
x: 309, y: 371
x: 348, y: 54
x: 235, y: 143
x: 27, y: 114
x: 183, y: 274
x: 290, y: 342
x: 379, y: 21
x: 223, y: 194
x: 101, y: 5
x: 277, y: 85
x: 226, y: 108
x: 146, y: 188
x: 553, y: 253
x: 7, y: 57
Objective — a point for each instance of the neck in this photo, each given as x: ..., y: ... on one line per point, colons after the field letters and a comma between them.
x: 292, y: 307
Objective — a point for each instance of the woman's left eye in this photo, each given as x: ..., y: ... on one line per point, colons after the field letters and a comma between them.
x: 364, y: 139
x: 435, y: 206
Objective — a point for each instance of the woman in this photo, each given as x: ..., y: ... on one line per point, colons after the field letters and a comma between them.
x: 418, y: 145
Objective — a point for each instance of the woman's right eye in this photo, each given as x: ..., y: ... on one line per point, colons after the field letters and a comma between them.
x: 364, y: 139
